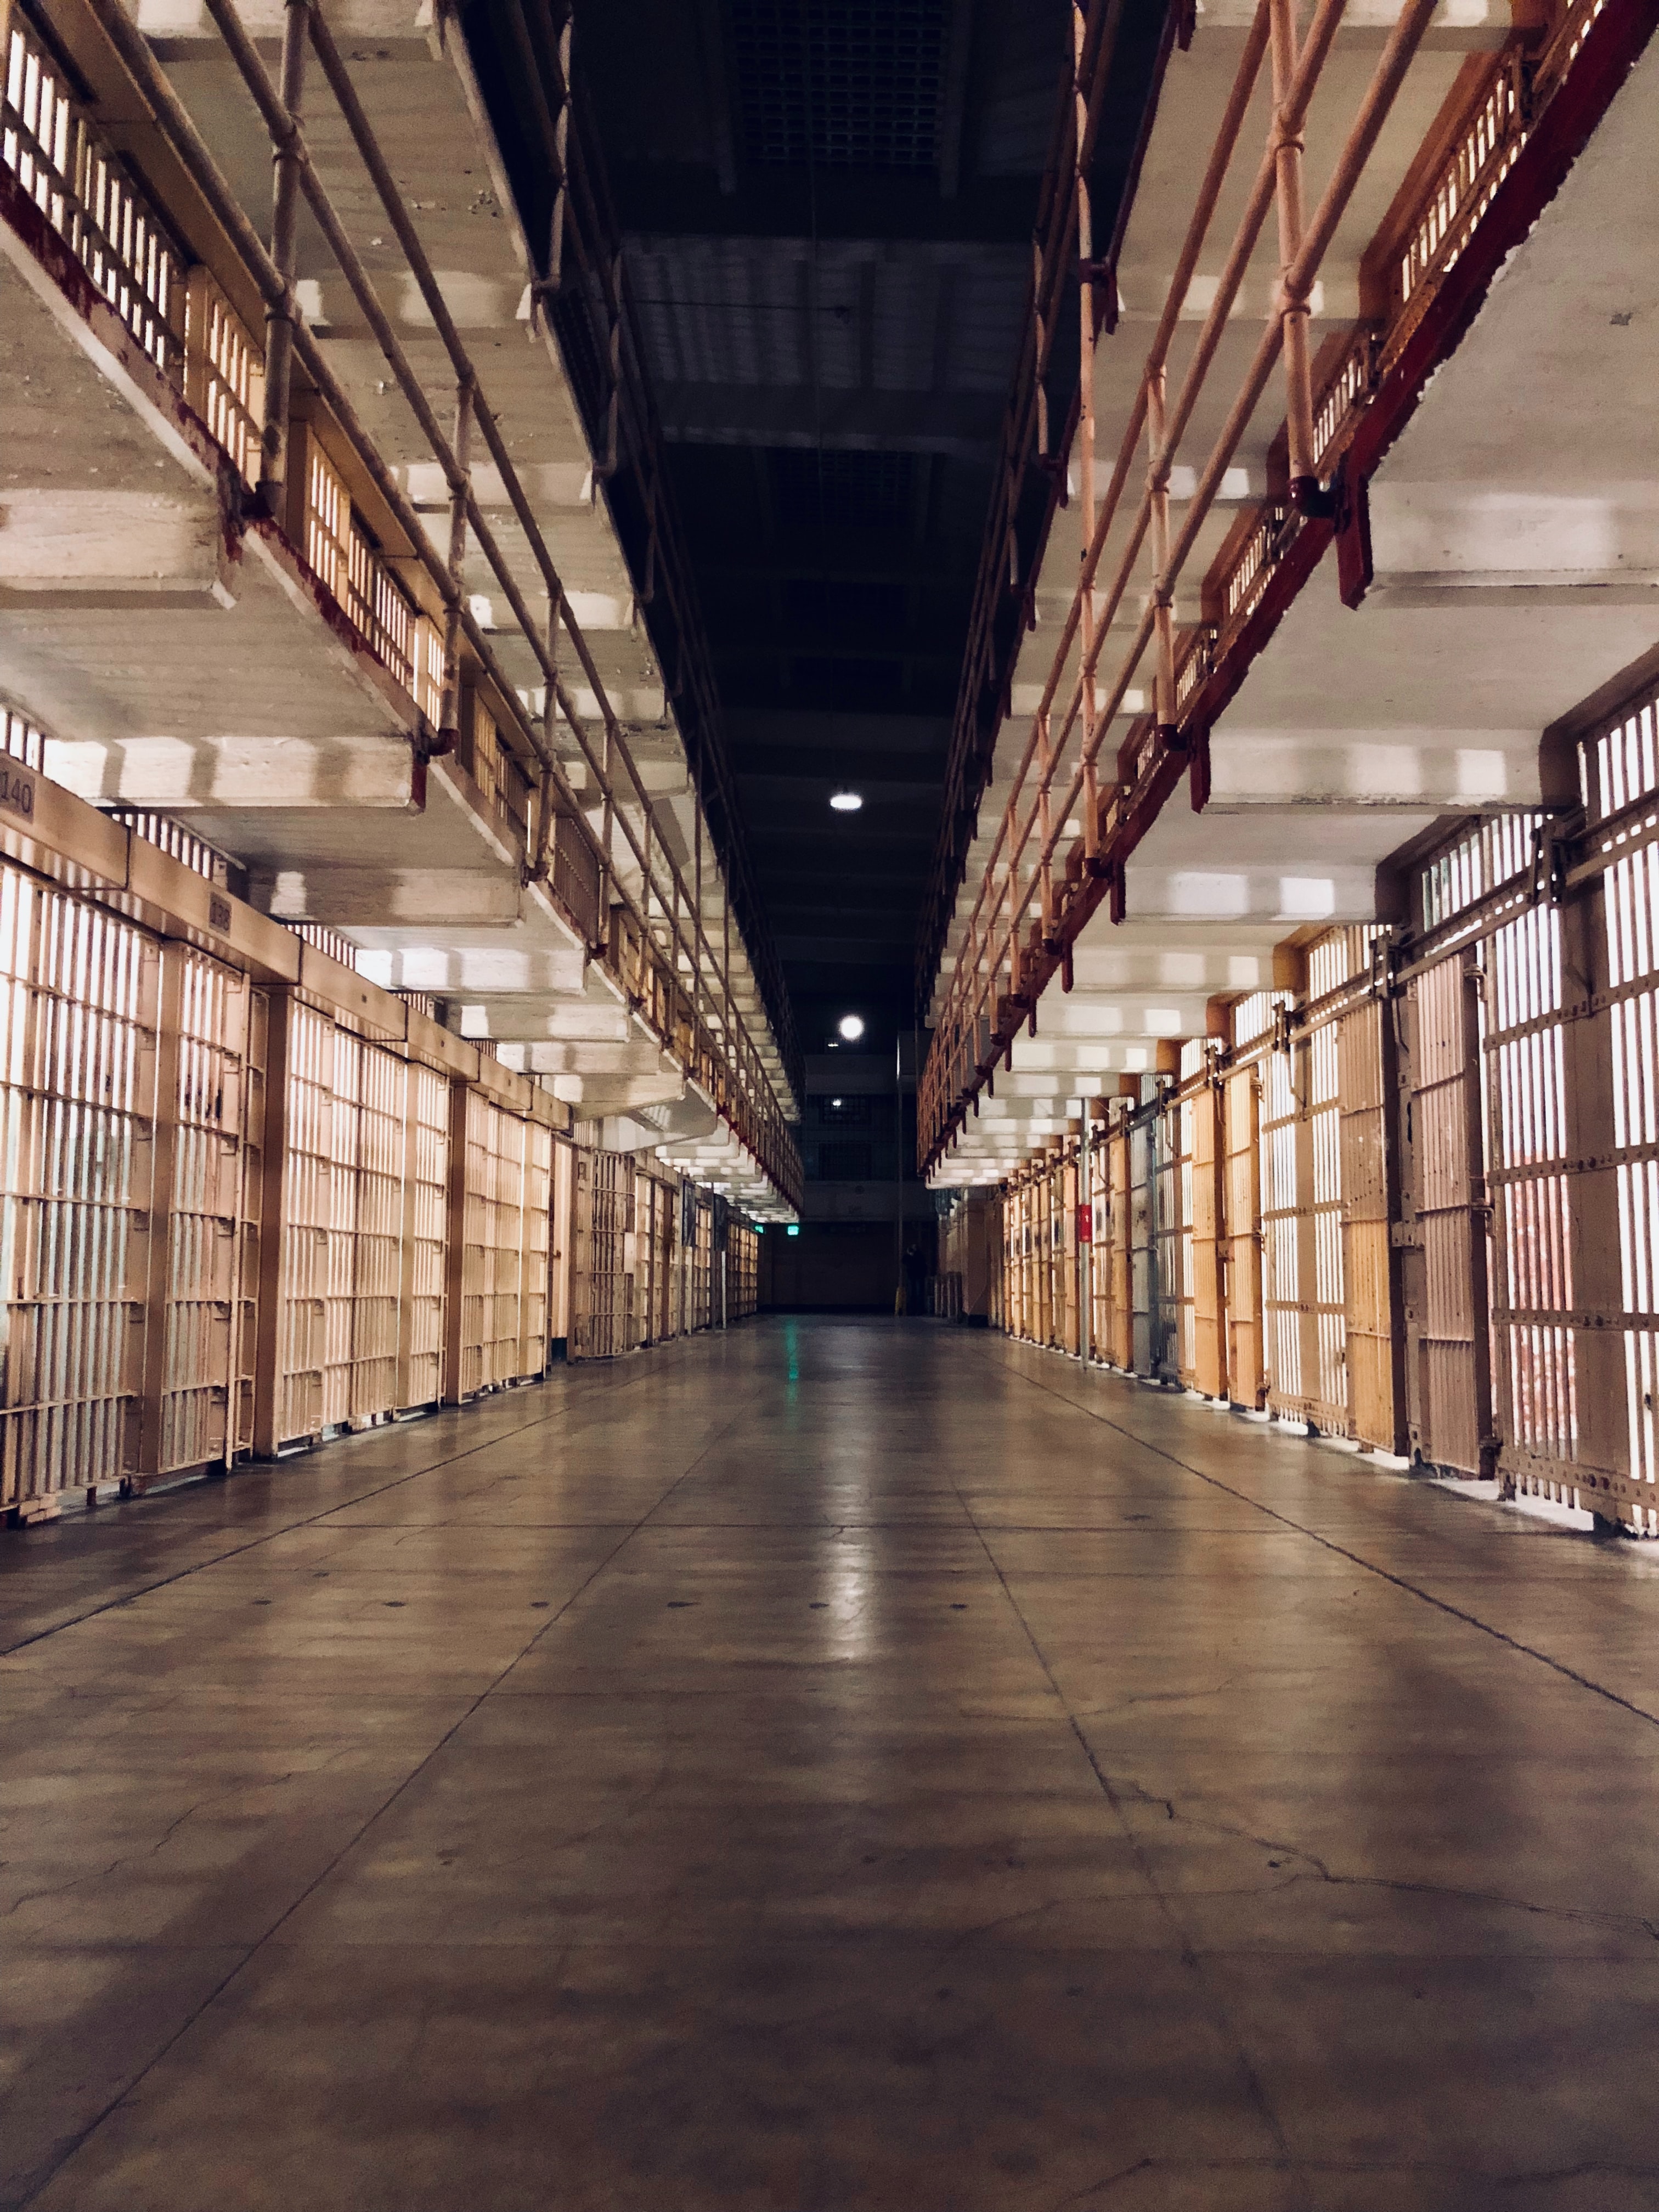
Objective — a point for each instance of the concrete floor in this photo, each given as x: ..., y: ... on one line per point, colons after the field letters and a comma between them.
x: 855, y: 1766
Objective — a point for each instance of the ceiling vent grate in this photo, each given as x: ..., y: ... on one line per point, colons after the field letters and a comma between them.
x: 847, y: 488
x: 841, y: 84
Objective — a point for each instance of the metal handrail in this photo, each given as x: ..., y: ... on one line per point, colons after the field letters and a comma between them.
x: 1115, y: 823
x: 758, y: 1120
x: 1031, y: 437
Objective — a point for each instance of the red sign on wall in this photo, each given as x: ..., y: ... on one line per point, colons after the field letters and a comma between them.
x: 1085, y: 1224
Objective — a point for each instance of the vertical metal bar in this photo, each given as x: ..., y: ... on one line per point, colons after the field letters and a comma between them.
x: 537, y: 868
x: 608, y: 468
x: 1088, y: 323
x: 1293, y: 306
x: 698, y: 940
x: 1045, y: 827
x: 560, y: 153
x: 284, y: 239
x: 1157, y: 486
x: 449, y: 711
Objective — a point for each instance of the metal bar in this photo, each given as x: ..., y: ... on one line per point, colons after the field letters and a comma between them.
x: 1293, y: 308
x: 449, y: 711
x: 283, y: 314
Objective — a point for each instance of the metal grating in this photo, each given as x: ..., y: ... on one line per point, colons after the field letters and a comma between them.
x: 840, y: 488
x: 841, y: 84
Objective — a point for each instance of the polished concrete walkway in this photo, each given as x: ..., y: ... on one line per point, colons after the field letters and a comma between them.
x: 855, y: 1766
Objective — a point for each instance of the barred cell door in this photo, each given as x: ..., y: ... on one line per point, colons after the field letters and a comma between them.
x: 1448, y: 1346
x: 1067, y: 1186
x: 1285, y: 1204
x: 1146, y: 1327
x: 1247, y: 1381
x: 535, y: 1230
x: 423, y: 1256
x: 1171, y: 1226
x: 1120, y: 1335
x: 1365, y: 1057
x: 602, y: 1287
x: 205, y: 1049
x: 1042, y: 1257
x: 1208, y: 1177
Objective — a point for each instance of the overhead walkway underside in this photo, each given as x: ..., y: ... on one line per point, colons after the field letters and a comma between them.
x: 272, y: 666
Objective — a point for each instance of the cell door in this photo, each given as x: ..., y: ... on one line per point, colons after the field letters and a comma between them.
x: 1247, y: 1381
x: 1119, y: 1339
x: 1365, y: 1055
x: 1170, y: 1228
x: 1208, y: 1284
x: 1145, y: 1326
x: 1068, y: 1184
x: 1448, y: 1342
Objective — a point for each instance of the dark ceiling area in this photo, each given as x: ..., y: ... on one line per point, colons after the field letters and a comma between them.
x: 825, y: 208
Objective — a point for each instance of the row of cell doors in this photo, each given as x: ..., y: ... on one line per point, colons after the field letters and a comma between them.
x: 1237, y: 1237
x: 184, y: 1156
x: 1430, y: 1224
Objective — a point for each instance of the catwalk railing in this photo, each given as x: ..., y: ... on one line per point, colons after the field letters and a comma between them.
x: 313, y: 472
x: 1115, y: 52
x: 248, y: 1200
x: 1040, y: 884
x: 582, y: 287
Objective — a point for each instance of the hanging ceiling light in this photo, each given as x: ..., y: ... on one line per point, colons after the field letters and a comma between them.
x: 846, y: 802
